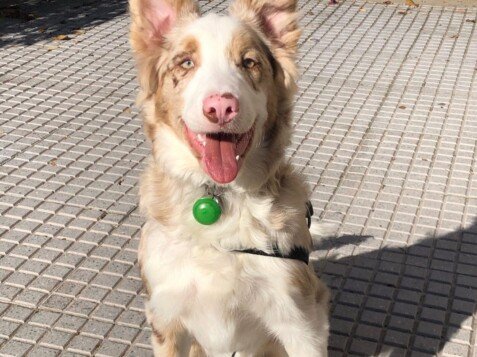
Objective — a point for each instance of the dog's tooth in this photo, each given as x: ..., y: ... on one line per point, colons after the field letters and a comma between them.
x: 201, y: 138
x: 237, y: 157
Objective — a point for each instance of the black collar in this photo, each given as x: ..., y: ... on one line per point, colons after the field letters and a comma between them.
x: 297, y: 253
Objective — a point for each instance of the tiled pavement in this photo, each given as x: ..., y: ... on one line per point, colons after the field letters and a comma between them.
x: 386, y: 131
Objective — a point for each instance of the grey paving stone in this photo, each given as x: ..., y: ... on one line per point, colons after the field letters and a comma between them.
x: 70, y: 323
x: 123, y: 334
x: 363, y: 347
x: 15, y: 348
x: 57, y: 302
x: 56, y: 339
x: 7, y: 328
x: 83, y: 344
x: 384, y: 134
x: 96, y: 328
x: 40, y: 351
x: 138, y: 352
x: 455, y: 349
x: 45, y: 318
x: 81, y: 307
x: 109, y: 348
x: 17, y: 314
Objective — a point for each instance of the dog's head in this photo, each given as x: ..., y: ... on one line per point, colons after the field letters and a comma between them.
x: 216, y: 90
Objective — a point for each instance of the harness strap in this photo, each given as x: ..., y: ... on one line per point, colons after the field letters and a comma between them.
x: 297, y: 253
x: 309, y: 212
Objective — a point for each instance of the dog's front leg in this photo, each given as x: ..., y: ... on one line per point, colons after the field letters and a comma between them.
x: 300, y: 321
x: 163, y: 343
x: 174, y: 341
x: 301, y: 331
x: 166, y: 341
x: 171, y: 339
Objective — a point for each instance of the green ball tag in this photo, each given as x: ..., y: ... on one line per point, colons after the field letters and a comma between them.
x: 207, y: 210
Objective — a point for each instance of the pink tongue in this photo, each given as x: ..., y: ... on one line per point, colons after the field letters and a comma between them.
x: 219, y: 159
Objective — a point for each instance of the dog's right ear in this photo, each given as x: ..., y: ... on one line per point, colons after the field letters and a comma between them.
x: 151, y: 21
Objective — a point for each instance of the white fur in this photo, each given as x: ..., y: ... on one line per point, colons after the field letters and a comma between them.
x: 229, y: 302
x: 218, y: 75
x: 320, y: 230
x: 175, y: 157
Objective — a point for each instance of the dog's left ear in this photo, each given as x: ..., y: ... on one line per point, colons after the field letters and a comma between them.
x: 277, y: 20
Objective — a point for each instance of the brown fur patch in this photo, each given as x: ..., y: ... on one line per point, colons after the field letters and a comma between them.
x: 283, y: 32
x: 175, y: 81
x: 288, y: 210
x: 284, y: 35
x: 322, y: 294
x: 140, y: 253
x: 196, y: 350
x: 168, y: 339
x: 307, y: 284
x: 273, y: 349
x: 155, y: 190
x: 158, y: 336
x: 247, y: 44
x: 148, y: 46
x: 303, y: 280
x: 165, y: 104
x: 146, y: 284
x: 187, y: 48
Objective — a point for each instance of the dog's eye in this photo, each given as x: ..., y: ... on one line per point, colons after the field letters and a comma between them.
x: 187, y: 63
x: 248, y: 63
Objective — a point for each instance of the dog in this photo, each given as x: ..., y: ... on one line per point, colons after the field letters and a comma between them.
x: 217, y: 95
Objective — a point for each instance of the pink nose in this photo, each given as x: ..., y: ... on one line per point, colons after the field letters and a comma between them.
x: 220, y: 108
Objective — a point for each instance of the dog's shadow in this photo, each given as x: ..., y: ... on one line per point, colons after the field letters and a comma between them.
x: 395, y: 300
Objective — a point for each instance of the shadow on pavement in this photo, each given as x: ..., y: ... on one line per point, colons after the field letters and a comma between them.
x: 337, y: 242
x: 395, y: 299
x: 27, y: 22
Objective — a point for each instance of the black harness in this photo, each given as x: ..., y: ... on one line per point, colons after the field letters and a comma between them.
x: 297, y: 253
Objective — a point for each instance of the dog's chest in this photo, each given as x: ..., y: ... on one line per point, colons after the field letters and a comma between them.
x: 176, y: 266
x: 204, y: 289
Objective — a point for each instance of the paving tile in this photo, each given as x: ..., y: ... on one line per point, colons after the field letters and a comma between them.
x: 17, y: 314
x: 41, y: 351
x: 15, y: 348
x: 112, y: 349
x: 83, y: 344
x: 70, y: 323
x: 45, y: 318
x: 7, y: 328
x: 96, y: 328
x: 123, y: 334
x: 30, y: 333
x: 383, y: 132
x: 138, y: 352
x: 56, y: 339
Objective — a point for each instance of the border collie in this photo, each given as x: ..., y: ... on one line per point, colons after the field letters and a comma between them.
x: 224, y: 250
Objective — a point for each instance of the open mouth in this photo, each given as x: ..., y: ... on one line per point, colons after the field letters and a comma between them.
x: 221, y: 154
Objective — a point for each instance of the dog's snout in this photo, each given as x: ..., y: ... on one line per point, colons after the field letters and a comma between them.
x: 220, y: 108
